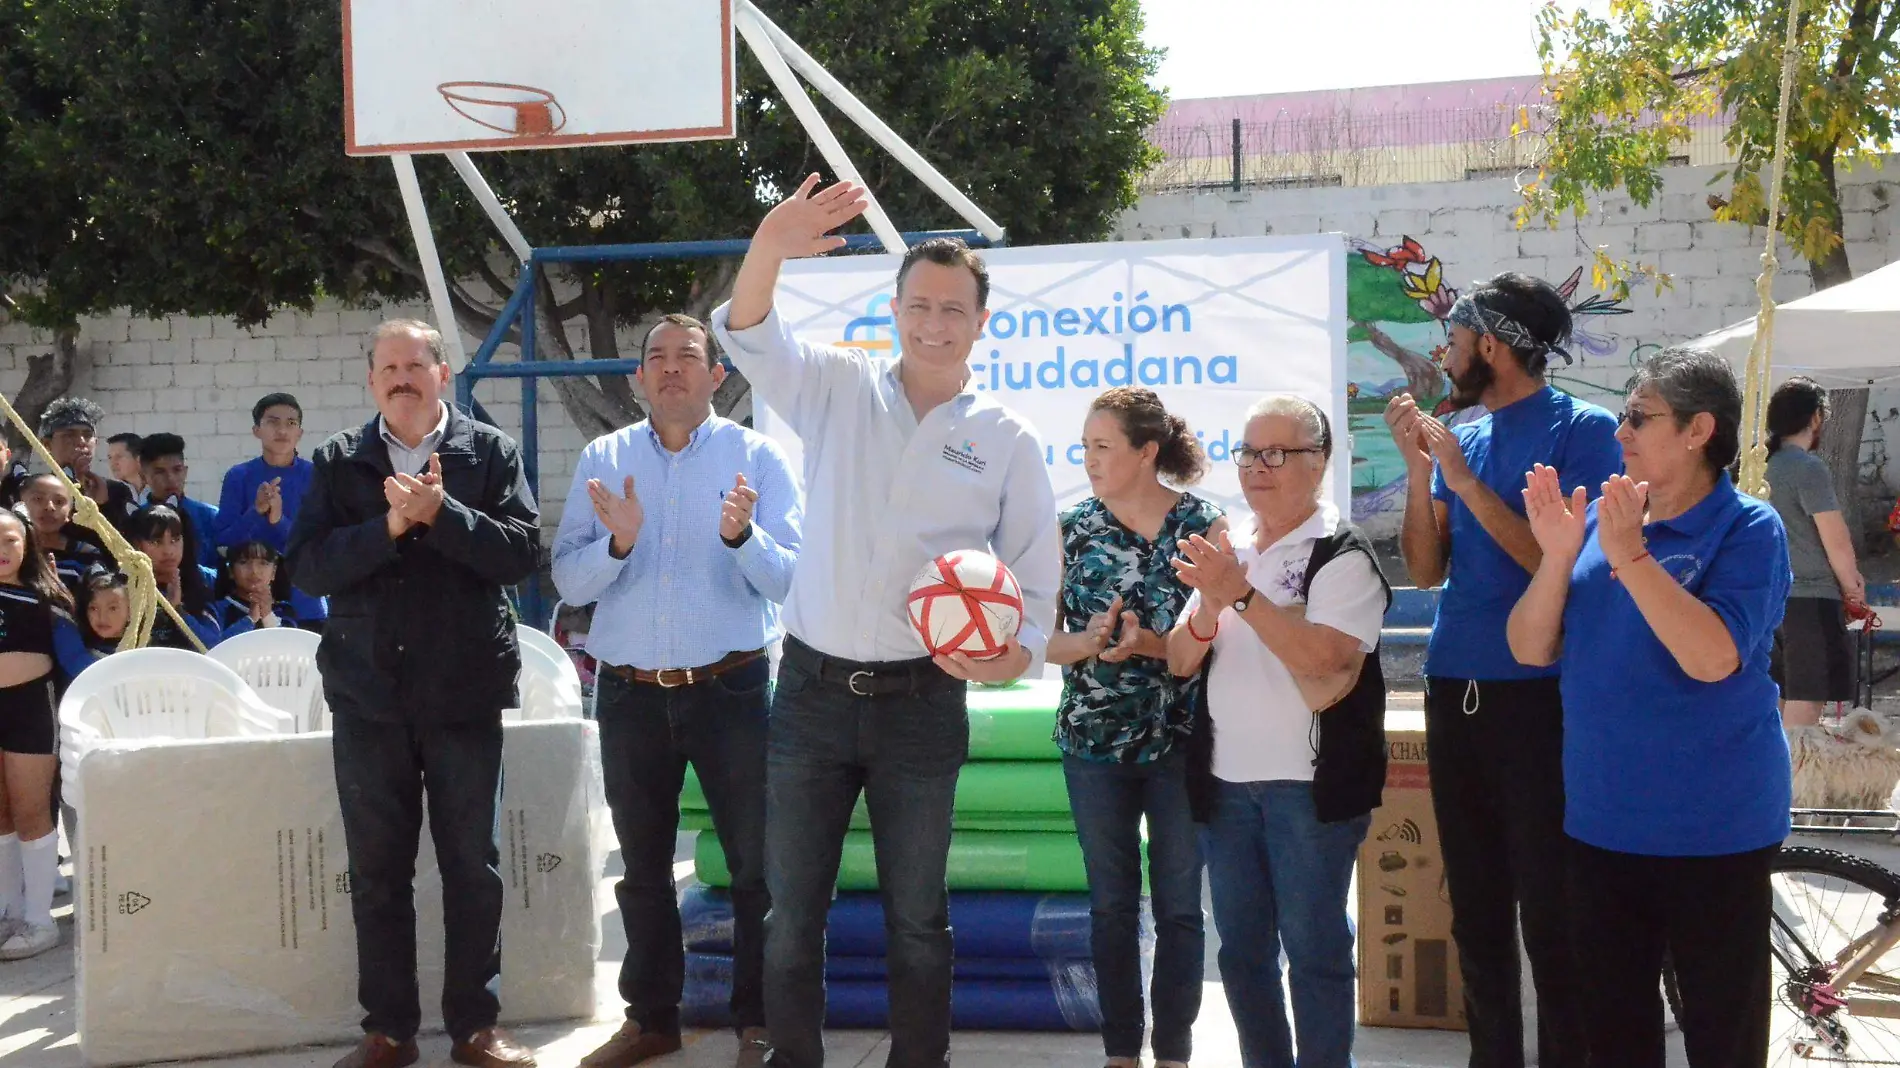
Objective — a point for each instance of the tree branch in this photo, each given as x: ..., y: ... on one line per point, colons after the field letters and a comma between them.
x: 1853, y: 41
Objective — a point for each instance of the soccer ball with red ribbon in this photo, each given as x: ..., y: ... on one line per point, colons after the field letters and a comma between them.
x: 966, y: 602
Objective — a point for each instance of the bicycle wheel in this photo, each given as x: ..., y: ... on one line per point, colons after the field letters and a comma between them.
x: 1824, y: 903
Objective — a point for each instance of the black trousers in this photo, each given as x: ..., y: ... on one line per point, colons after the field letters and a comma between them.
x: 384, y: 774
x: 648, y: 733
x: 1495, y: 750
x: 1711, y: 916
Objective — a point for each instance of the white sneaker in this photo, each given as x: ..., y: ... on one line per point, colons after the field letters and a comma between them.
x: 10, y: 926
x: 30, y: 941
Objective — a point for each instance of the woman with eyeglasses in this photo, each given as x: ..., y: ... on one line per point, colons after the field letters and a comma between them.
x: 1659, y: 602
x: 1123, y: 715
x: 1289, y: 611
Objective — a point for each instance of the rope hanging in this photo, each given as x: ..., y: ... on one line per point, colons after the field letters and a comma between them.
x: 1761, y: 351
x: 141, y: 589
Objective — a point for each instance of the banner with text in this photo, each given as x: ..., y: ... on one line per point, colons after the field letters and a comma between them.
x: 1211, y: 325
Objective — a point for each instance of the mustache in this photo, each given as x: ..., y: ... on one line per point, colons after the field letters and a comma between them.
x: 400, y: 391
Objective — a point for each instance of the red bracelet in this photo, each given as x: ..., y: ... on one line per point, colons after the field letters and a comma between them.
x: 1192, y: 633
x: 1635, y: 560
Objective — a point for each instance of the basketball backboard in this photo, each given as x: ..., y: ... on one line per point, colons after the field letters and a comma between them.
x: 449, y: 75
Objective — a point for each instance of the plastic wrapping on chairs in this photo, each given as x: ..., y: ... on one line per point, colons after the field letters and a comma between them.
x: 541, y: 640
x: 550, y: 688
x: 157, y: 693
x: 979, y: 860
x: 1067, y: 1001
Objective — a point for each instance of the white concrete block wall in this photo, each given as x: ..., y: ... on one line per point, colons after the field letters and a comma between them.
x: 199, y: 377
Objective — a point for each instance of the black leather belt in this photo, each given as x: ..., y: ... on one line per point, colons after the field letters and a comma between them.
x: 880, y: 678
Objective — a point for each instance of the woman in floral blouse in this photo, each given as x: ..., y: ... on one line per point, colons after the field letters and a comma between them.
x: 1123, y: 717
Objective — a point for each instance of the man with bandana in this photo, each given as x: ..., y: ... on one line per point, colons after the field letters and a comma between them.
x: 1494, y: 727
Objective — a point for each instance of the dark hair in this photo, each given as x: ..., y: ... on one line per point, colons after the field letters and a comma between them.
x: 1144, y: 419
x: 156, y: 447
x: 1692, y: 381
x: 127, y: 439
x: 1535, y: 304
x: 1792, y: 408
x: 272, y: 400
x: 43, y: 476
x: 431, y: 337
x: 97, y: 580
x: 252, y: 549
x: 948, y: 252
x: 683, y: 320
x: 37, y: 573
x: 154, y: 521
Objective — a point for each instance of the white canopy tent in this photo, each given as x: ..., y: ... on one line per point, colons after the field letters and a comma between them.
x: 1844, y: 337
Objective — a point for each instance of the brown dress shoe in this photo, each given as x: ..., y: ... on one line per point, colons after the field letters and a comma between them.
x: 629, y: 1046
x: 754, y: 1044
x: 380, y: 1051
x: 492, y: 1047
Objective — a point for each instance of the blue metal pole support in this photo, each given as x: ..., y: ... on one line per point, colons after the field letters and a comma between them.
x: 532, y: 607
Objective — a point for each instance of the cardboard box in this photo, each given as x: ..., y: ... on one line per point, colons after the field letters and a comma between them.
x: 1408, y: 965
x: 211, y: 897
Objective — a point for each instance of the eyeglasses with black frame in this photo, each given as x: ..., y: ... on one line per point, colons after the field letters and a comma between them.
x: 1246, y: 456
x: 1636, y: 417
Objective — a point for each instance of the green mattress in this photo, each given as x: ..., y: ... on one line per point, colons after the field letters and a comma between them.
x: 1014, y: 722
x: 983, y: 821
x: 984, y: 788
x: 979, y: 860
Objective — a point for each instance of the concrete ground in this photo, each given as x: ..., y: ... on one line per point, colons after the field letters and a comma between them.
x: 37, y: 1020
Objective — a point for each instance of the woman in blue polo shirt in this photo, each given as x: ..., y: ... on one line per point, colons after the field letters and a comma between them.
x: 1659, y: 602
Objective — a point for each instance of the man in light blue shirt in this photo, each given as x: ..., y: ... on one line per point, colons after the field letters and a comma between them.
x: 682, y: 530
x: 905, y: 462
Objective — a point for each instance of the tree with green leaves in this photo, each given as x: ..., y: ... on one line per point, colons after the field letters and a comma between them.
x: 1625, y: 88
x: 189, y: 160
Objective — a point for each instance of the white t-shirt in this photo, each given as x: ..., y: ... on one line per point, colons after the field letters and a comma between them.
x: 1262, y: 728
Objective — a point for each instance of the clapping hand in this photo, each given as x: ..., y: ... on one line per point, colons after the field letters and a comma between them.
x: 1402, y: 417
x: 1556, y: 521
x: 801, y: 224
x: 1212, y: 569
x: 735, y: 515
x: 270, y: 501
x: 1620, y: 516
x: 621, y: 515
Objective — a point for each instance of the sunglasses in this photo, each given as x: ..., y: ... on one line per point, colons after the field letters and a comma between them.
x: 1636, y: 417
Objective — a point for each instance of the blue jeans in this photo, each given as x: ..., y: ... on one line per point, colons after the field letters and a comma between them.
x: 1109, y: 801
x: 1279, y: 879
x: 903, y: 751
x: 647, y: 735
x: 381, y: 769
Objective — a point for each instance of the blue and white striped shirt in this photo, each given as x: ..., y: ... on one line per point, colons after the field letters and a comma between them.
x: 681, y: 598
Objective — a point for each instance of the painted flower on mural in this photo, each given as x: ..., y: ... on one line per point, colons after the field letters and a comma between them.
x: 1591, y: 343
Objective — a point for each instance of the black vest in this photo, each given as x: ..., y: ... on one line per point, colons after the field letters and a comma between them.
x: 1349, y: 751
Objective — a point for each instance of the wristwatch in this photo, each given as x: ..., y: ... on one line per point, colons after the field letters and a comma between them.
x: 1245, y: 600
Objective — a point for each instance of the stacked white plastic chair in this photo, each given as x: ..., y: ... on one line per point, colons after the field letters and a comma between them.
x: 281, y: 665
x: 157, y: 693
x: 550, y: 685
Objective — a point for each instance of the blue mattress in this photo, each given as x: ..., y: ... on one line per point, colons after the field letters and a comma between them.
x: 987, y: 925
x: 1065, y: 1004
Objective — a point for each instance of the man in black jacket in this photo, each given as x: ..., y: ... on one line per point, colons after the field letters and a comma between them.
x: 412, y: 526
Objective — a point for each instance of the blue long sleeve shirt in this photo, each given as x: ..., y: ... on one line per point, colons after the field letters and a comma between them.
x: 238, y: 518
x: 681, y: 598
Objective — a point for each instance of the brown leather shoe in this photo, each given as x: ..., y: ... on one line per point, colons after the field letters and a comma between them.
x: 492, y: 1047
x: 380, y: 1051
x: 754, y: 1044
x: 629, y: 1046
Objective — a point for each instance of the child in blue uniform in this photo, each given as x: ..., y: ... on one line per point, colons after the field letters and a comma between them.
x: 253, y: 590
